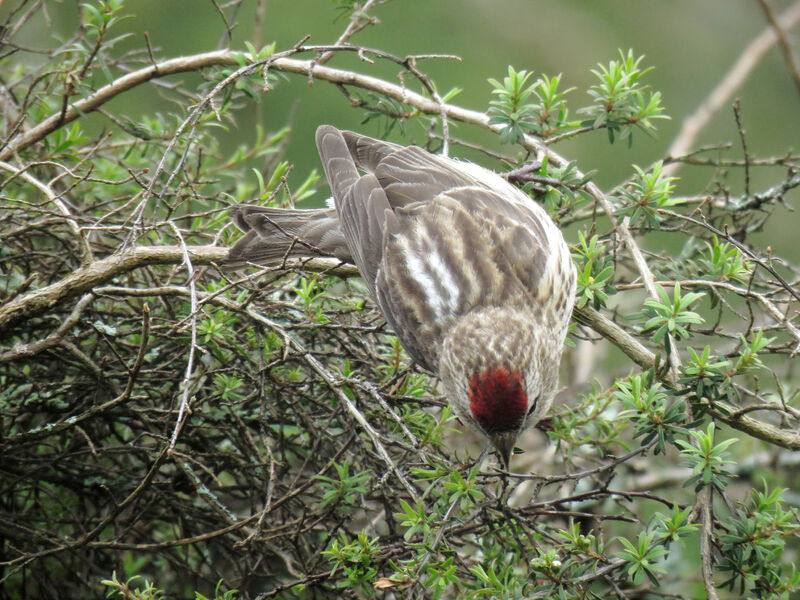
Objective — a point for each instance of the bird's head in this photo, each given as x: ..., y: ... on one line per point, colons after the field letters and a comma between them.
x: 499, y: 404
x: 499, y: 369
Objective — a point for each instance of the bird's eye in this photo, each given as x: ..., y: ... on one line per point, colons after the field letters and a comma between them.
x: 533, y: 406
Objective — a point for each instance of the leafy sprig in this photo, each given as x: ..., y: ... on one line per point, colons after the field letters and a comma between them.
x: 753, y: 541
x: 621, y: 101
x: 595, y: 272
x: 724, y: 262
x: 648, y: 408
x: 345, y: 489
x: 642, y: 557
x: 511, y: 108
x: 645, y: 195
x: 707, y: 458
x: 670, y: 315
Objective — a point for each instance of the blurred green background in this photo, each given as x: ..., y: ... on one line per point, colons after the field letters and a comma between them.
x: 690, y: 44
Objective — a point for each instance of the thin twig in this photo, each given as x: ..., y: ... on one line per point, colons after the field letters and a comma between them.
x: 359, y: 21
x: 186, y: 385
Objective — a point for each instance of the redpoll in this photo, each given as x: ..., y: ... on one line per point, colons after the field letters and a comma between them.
x: 474, y: 277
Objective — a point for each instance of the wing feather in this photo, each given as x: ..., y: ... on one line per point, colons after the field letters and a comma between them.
x: 360, y: 202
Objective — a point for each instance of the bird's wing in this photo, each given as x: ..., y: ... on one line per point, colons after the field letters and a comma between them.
x: 462, y: 250
x: 410, y: 175
x: 519, y: 238
x: 360, y: 201
x: 407, y: 174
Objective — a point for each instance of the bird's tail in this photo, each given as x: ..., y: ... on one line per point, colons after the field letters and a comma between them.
x: 272, y: 234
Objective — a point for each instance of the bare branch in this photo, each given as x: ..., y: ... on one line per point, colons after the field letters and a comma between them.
x: 84, y: 250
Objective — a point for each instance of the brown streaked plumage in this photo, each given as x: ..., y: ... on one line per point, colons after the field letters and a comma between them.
x: 473, y: 276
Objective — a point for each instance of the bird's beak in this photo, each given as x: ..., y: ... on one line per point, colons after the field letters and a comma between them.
x: 504, y: 444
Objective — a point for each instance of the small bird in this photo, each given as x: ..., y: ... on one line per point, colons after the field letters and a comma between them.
x: 474, y: 277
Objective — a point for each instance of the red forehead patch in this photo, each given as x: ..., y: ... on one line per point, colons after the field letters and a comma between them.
x: 497, y: 400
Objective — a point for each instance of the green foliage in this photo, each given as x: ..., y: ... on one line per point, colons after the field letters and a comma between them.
x: 228, y: 386
x: 441, y: 577
x: 752, y: 545
x: 551, y: 109
x: 492, y: 584
x: 510, y: 109
x: 748, y: 359
x: 254, y: 55
x: 674, y: 527
x: 621, y: 102
x: 465, y: 492
x: 275, y: 191
x: 356, y: 558
x: 707, y: 379
x: 128, y: 590
x: 708, y: 459
x: 577, y: 541
x: 671, y: 316
x: 642, y: 557
x: 344, y: 489
x: 101, y: 15
x: 645, y: 195
x: 724, y: 262
x: 655, y: 418
x: 590, y: 423
x: 59, y: 143
x: 311, y: 294
x: 425, y: 427
x: 595, y: 272
x: 414, y: 519
x: 562, y: 199
x: 538, y: 108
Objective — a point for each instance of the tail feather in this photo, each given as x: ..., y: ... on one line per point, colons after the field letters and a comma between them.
x: 272, y: 234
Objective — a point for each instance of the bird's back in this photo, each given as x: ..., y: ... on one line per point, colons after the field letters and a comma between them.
x: 437, y: 239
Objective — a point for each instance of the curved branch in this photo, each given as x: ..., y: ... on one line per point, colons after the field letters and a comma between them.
x: 101, y: 271
x: 637, y: 352
x: 93, y: 101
